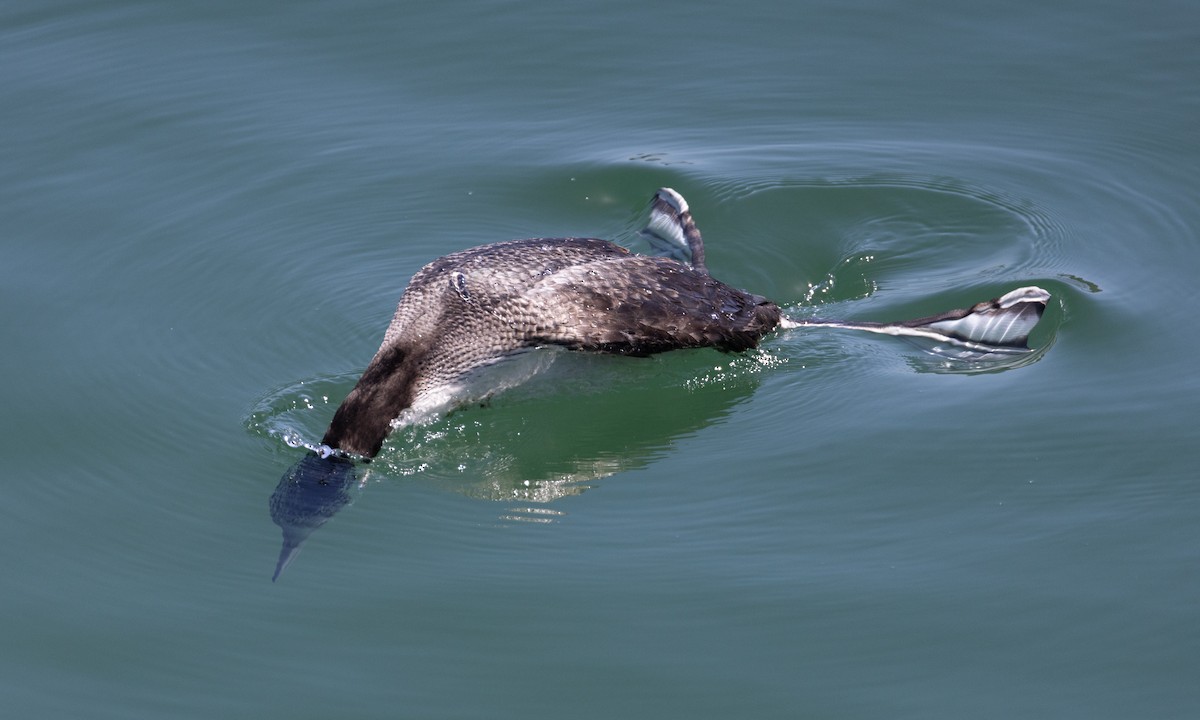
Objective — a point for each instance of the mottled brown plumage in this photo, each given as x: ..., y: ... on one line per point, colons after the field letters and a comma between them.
x: 469, y: 309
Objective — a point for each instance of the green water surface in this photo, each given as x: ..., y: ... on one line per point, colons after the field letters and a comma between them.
x: 209, y: 210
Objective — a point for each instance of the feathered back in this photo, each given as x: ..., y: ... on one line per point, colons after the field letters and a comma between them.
x: 474, y: 307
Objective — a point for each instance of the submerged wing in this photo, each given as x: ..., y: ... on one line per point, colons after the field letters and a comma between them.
x: 1001, y: 325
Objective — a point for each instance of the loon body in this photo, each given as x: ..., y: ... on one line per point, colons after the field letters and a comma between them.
x: 472, y: 309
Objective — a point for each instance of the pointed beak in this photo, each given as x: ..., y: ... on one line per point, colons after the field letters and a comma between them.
x: 293, y: 538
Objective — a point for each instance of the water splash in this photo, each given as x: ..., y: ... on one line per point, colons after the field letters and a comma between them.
x: 297, y: 414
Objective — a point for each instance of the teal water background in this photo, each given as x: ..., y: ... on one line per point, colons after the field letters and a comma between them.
x: 209, y: 210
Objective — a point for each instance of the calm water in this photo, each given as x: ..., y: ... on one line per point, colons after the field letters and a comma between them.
x: 208, y: 212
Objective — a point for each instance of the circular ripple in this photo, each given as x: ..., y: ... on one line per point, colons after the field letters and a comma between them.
x: 296, y: 414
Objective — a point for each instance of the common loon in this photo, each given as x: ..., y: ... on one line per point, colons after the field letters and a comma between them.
x: 471, y: 309
x: 486, y: 308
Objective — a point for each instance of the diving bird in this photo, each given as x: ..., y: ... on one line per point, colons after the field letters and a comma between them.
x: 473, y: 309
x: 465, y: 316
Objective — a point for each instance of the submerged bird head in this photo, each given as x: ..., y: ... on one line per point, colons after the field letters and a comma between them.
x: 309, y: 494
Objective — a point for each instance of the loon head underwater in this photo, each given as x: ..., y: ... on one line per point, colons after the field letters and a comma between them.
x: 467, y: 314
